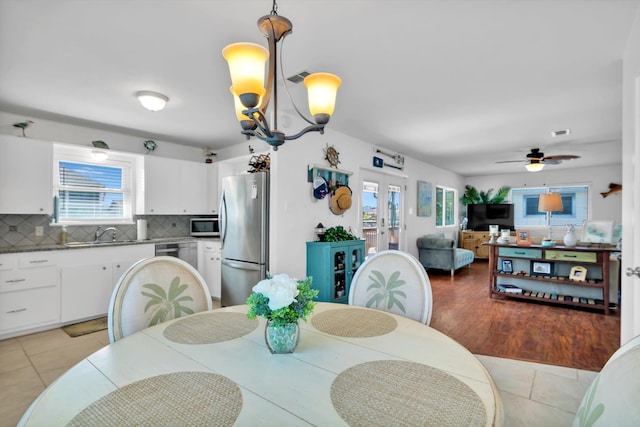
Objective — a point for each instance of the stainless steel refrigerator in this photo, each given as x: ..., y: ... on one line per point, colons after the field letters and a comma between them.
x: 244, y: 234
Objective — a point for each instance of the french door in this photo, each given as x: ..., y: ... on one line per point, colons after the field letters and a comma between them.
x: 382, y: 211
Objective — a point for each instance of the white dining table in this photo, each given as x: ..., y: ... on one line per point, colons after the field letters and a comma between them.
x: 352, y: 366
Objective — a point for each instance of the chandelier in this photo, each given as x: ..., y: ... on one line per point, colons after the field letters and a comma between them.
x: 251, y: 98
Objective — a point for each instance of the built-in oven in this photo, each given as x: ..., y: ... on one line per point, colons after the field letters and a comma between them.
x: 205, y: 227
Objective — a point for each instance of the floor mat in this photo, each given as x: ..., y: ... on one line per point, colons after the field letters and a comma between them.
x: 83, y: 328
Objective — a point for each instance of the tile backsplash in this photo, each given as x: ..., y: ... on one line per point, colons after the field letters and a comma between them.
x: 20, y: 230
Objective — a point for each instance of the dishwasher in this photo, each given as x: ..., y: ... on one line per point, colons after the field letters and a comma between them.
x: 186, y: 251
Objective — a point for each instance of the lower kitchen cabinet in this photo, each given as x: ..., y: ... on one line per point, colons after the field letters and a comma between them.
x: 88, y: 276
x: 332, y: 266
x: 210, y: 265
x: 29, y: 291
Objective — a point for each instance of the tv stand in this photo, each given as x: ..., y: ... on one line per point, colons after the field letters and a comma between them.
x: 473, y: 241
x: 556, y: 286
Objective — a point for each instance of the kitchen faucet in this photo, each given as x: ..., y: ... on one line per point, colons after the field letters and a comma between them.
x: 100, y: 232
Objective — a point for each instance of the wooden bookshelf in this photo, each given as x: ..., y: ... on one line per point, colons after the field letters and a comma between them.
x: 556, y: 287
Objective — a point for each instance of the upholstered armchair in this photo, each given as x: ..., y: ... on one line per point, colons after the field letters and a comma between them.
x: 435, y: 251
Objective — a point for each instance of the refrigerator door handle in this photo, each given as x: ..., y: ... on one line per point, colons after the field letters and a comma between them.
x: 223, y: 219
x: 241, y: 265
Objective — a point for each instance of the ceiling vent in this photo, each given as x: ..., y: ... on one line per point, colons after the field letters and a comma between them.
x: 561, y: 132
x: 298, y: 78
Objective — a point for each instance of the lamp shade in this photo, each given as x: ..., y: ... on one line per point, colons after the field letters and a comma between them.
x: 321, y: 91
x: 152, y: 101
x: 550, y: 202
x: 246, y: 65
x: 534, y: 166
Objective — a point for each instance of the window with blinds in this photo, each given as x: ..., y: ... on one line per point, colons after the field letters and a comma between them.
x: 575, y: 206
x: 91, y: 192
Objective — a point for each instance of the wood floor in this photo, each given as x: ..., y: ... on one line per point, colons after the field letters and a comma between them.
x: 531, y: 331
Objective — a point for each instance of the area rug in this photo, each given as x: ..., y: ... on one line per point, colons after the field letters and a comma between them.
x: 87, y: 327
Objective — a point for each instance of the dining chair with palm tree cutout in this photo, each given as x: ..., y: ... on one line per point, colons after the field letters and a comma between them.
x: 395, y: 282
x: 155, y: 290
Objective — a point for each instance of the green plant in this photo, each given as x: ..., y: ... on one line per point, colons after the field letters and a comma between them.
x: 165, y: 306
x: 472, y: 196
x: 338, y: 234
x: 282, y: 299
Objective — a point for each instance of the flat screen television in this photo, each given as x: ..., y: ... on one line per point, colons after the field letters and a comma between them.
x: 480, y: 216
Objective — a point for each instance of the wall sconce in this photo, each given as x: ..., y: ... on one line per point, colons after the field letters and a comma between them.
x: 152, y: 101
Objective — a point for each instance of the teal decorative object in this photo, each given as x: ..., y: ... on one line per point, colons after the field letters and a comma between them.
x: 100, y: 144
x: 281, y: 339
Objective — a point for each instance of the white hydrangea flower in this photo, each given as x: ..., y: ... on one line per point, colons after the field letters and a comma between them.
x: 281, y: 290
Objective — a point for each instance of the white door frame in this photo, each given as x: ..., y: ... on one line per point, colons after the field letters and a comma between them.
x: 385, y: 179
x: 630, y: 284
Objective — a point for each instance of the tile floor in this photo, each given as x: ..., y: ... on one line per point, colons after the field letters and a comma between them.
x: 533, y: 394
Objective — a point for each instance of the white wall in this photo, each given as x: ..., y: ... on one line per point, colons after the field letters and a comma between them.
x: 597, y: 178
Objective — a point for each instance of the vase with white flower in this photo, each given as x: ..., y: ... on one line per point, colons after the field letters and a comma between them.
x: 283, y: 301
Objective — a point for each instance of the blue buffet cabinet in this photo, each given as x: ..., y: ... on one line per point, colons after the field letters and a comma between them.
x: 332, y: 266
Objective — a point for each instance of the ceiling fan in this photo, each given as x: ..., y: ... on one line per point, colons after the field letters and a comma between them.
x: 536, y: 160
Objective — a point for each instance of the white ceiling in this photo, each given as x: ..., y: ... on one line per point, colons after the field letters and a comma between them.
x: 458, y: 84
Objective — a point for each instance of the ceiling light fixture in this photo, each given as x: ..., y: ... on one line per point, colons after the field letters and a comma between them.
x: 251, y: 98
x: 535, y: 165
x: 152, y: 101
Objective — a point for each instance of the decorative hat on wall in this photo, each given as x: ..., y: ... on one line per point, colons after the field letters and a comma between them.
x: 340, y: 200
x: 320, y: 189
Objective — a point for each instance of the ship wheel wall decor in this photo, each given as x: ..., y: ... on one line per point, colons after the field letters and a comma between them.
x: 332, y: 156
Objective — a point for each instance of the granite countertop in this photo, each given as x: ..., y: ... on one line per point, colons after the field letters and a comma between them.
x: 56, y: 247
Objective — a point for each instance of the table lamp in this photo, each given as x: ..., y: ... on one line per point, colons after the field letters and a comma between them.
x: 548, y: 203
x: 493, y: 233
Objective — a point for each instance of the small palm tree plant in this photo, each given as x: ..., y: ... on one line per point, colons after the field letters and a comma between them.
x: 385, y: 293
x: 162, y: 305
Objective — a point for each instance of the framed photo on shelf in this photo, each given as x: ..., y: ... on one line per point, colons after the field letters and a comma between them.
x: 523, y: 237
x: 541, y: 268
x: 597, y: 232
x: 507, y: 266
x: 578, y: 273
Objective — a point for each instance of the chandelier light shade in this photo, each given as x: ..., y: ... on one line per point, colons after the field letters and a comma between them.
x: 322, y: 89
x: 152, y: 101
x: 252, y: 90
x: 534, y: 165
x: 247, y: 66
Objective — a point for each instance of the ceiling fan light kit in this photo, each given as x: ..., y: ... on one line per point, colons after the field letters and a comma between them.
x: 536, y: 160
x: 251, y: 97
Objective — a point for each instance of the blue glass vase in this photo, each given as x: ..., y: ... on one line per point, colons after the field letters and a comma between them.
x: 281, y: 339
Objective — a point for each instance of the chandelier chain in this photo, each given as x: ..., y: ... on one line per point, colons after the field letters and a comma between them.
x: 274, y: 8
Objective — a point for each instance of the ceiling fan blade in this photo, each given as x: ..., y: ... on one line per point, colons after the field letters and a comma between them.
x: 551, y: 162
x: 561, y: 157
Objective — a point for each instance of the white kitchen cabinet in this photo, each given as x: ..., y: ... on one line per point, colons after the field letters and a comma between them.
x: 29, y: 291
x: 26, y: 176
x: 210, y: 265
x: 174, y: 187
x: 88, y: 276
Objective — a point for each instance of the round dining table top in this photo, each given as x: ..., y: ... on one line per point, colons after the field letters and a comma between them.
x: 352, y: 366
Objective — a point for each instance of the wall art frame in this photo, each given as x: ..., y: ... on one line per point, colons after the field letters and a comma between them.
x: 425, y: 199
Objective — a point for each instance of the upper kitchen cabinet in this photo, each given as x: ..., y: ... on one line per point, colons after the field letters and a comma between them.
x: 174, y: 187
x: 26, y: 176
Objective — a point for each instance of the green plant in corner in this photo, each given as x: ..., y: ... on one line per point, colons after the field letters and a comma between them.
x: 166, y: 306
x: 338, y: 234
x: 386, y: 292
x: 472, y: 196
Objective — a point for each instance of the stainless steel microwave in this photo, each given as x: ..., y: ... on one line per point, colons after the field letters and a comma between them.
x: 205, y: 227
